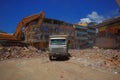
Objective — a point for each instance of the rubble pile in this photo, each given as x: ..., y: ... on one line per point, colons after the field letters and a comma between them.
x: 100, y: 59
x: 18, y: 52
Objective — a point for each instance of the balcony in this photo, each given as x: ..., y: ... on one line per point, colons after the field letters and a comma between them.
x: 82, y: 38
x: 91, y: 31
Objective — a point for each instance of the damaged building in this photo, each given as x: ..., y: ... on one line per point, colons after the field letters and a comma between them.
x: 79, y: 36
x: 85, y: 35
x: 109, y: 33
x: 34, y: 30
x: 40, y: 35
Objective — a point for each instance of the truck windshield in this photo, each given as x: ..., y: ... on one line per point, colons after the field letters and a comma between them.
x: 57, y: 42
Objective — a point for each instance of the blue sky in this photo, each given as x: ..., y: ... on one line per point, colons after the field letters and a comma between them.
x: 73, y: 11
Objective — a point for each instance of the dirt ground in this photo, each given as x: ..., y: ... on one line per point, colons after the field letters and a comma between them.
x: 28, y: 63
x: 41, y: 68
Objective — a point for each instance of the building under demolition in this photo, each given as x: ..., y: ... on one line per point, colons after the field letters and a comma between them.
x: 85, y: 35
x: 109, y: 33
x: 79, y: 36
x: 35, y: 30
x: 40, y: 35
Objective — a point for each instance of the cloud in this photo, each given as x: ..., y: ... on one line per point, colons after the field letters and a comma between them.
x: 93, y: 17
x: 85, y: 20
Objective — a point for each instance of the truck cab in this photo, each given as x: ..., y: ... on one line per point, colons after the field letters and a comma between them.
x: 58, y: 46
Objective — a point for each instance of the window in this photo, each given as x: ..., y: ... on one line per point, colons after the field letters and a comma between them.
x: 57, y: 42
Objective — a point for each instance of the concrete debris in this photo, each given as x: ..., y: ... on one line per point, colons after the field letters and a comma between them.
x: 100, y: 59
x: 18, y: 52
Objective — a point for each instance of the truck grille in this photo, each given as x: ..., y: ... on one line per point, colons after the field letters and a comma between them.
x: 58, y: 50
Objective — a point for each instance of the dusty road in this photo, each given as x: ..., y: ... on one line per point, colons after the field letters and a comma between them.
x: 43, y: 69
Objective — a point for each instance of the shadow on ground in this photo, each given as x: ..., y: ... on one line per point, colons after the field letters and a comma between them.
x: 62, y: 58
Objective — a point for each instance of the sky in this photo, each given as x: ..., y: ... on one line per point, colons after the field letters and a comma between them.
x: 72, y: 11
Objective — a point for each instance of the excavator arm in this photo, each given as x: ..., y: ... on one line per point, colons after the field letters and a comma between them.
x: 118, y: 1
x: 19, y: 34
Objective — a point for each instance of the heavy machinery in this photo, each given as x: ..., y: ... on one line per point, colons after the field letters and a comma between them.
x: 58, y: 46
x: 19, y: 36
x: 25, y: 22
x: 118, y: 1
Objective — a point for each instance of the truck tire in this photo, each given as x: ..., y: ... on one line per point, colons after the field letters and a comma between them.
x: 50, y: 58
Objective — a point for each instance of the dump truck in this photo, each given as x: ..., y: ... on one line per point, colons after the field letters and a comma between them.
x: 58, y: 46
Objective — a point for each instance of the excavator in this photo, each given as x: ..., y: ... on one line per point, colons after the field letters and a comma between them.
x: 23, y: 23
x: 118, y: 1
x: 18, y: 38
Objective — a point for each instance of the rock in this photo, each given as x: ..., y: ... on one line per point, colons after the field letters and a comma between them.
x: 100, y: 59
x: 116, y: 72
x: 1, y: 48
x: 18, y: 52
x: 73, y: 58
x: 95, y: 47
x: 25, y: 48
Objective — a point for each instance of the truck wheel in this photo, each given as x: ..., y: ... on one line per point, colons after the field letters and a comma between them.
x: 50, y: 57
